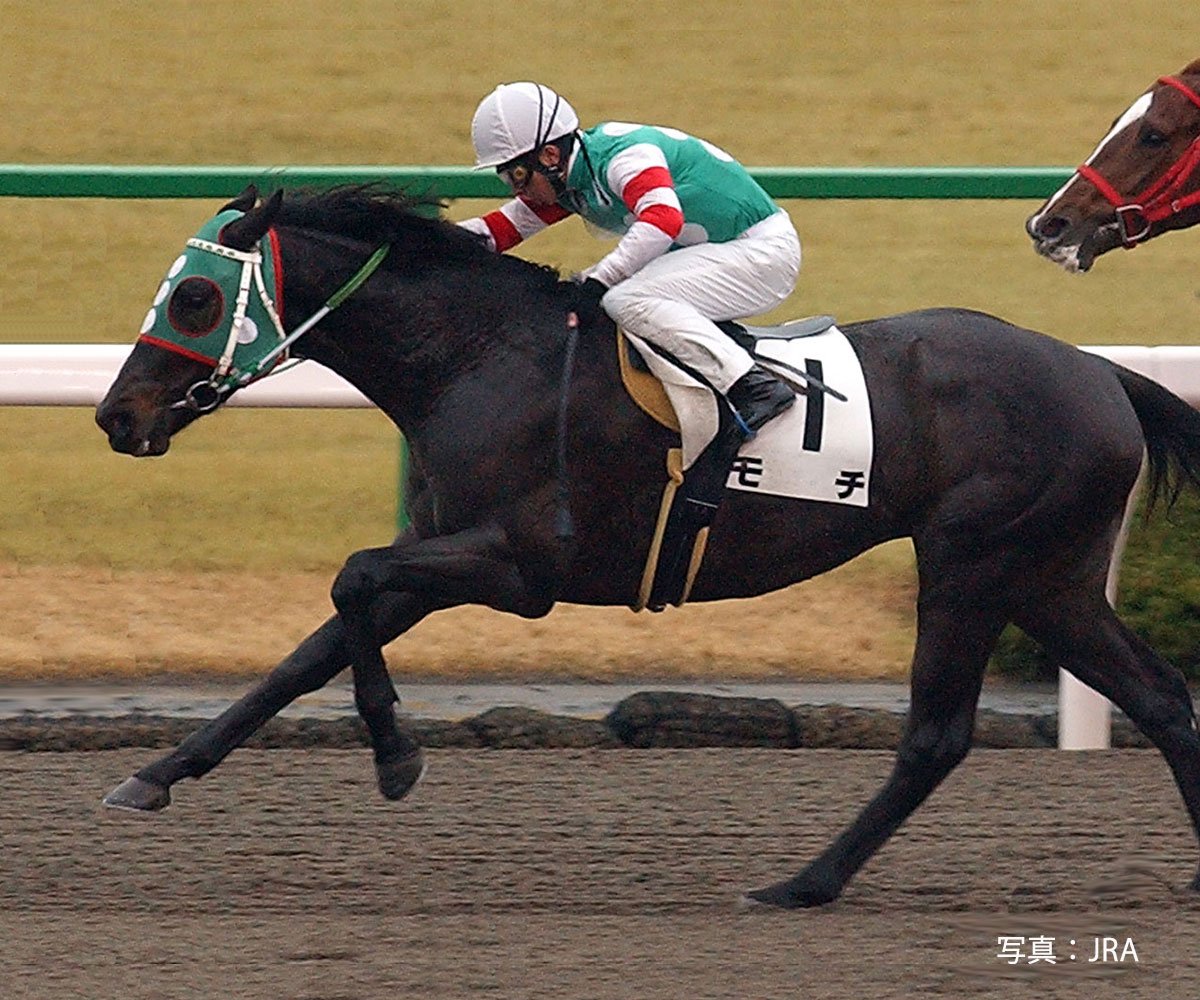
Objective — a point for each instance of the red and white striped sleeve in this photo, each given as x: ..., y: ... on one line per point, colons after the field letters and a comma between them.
x: 641, y: 178
x: 513, y: 222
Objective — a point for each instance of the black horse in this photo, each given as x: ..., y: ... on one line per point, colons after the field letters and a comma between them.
x: 1006, y: 455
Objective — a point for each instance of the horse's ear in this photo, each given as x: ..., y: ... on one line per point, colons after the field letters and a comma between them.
x: 244, y: 233
x: 244, y: 201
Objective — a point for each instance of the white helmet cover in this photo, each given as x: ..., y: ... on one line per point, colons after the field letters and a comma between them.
x: 517, y: 118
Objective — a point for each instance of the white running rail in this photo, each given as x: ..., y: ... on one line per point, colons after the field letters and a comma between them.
x: 80, y: 374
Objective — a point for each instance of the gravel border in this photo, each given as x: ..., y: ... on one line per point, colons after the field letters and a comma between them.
x: 648, y: 719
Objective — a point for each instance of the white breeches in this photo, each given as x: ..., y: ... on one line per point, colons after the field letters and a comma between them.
x: 674, y: 300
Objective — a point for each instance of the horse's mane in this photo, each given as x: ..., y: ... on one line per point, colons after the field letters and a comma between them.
x: 413, y: 225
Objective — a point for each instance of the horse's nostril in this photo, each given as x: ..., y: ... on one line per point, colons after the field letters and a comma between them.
x: 115, y: 423
x: 1046, y: 228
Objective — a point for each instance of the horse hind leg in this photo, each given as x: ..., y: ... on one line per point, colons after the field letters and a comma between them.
x: 1083, y: 634
x: 955, y: 637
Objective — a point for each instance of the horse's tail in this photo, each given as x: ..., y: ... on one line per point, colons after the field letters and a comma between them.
x: 1172, y: 431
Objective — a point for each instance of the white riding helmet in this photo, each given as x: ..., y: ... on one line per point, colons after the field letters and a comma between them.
x: 517, y: 118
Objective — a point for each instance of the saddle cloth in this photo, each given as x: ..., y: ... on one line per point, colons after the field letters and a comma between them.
x: 820, y: 449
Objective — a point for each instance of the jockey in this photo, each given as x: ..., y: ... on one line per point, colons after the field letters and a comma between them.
x: 733, y: 251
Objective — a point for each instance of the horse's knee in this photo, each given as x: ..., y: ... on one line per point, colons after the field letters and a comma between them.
x: 355, y: 584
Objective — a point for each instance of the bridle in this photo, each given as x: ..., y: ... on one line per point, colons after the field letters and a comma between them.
x: 1138, y: 213
x: 207, y: 394
x: 230, y: 372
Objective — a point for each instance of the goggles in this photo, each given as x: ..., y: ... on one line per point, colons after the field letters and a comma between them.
x: 516, y: 173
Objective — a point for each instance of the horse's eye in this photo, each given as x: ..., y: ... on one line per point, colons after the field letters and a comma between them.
x: 196, y: 307
x: 1153, y: 139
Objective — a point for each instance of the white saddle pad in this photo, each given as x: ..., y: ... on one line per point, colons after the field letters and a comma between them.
x: 820, y: 449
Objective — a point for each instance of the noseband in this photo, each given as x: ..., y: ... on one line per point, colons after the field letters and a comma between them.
x: 1136, y: 214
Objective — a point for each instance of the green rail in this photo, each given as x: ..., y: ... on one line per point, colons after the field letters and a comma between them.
x: 106, y: 181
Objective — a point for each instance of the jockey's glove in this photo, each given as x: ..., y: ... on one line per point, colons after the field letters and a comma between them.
x: 588, y: 294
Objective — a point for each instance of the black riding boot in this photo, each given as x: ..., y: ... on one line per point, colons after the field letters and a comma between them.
x: 757, y: 397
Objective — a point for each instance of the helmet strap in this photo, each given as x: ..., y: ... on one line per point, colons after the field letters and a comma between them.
x: 557, y: 174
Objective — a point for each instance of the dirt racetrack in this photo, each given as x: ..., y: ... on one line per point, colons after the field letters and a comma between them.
x: 589, y: 874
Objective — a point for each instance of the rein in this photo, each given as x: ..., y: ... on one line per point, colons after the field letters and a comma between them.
x: 207, y: 394
x: 1159, y: 200
x: 564, y: 525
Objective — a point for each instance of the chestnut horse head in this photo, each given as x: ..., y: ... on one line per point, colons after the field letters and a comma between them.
x: 1143, y: 179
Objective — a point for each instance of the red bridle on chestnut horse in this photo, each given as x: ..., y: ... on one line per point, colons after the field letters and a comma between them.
x: 1142, y: 180
x: 1162, y: 198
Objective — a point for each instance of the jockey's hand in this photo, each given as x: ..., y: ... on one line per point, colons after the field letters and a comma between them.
x: 588, y: 293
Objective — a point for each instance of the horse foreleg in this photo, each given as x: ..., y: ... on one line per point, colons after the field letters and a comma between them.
x: 399, y: 762
x: 471, y: 567
x: 309, y: 667
x: 952, y: 649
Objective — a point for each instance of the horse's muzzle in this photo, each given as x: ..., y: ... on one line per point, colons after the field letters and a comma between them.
x: 127, y: 435
x: 1074, y: 246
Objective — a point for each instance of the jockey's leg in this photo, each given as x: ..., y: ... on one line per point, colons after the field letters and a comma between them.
x: 675, y: 300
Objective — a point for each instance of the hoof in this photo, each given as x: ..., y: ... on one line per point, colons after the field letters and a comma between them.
x: 139, y: 796
x: 397, y: 775
x: 797, y: 893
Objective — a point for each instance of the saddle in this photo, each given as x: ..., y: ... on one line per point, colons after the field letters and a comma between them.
x: 693, y: 491
x: 648, y: 392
